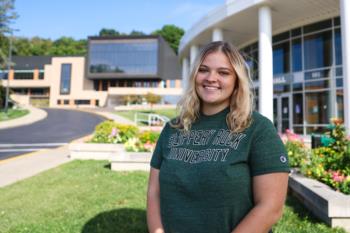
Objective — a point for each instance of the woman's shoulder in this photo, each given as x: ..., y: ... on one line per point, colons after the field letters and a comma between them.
x: 259, y: 118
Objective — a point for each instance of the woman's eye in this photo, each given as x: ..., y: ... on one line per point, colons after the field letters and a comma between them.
x: 224, y: 73
x: 202, y: 70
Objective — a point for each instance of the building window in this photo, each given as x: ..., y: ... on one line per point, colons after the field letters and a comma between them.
x: 24, y: 75
x: 124, y: 56
x: 318, y: 50
x: 172, y: 83
x: 337, y: 47
x: 41, y: 75
x: 82, y: 102
x: 296, y: 55
x: 154, y: 83
x: 65, y: 102
x: 66, y: 73
x: 281, y: 58
x: 317, y: 109
x: 138, y: 83
x: 318, y: 26
x: 340, y: 104
x: 298, y: 108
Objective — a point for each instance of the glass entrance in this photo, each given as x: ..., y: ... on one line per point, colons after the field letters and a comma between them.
x: 281, y: 113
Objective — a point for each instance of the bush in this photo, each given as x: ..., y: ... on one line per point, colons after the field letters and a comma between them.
x: 297, y: 151
x: 331, y: 164
x: 144, y: 142
x: 111, y: 132
x: 149, y: 136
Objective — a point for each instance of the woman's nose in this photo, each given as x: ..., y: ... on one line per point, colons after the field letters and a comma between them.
x: 212, y: 76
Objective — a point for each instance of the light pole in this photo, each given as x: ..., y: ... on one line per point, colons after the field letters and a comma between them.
x: 8, y: 73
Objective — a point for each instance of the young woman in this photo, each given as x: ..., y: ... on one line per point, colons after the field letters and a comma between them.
x: 220, y: 166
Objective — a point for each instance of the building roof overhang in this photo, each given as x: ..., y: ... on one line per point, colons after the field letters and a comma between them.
x: 239, y: 20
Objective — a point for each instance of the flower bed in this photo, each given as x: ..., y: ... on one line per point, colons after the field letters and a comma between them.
x: 323, y: 184
x: 329, y: 164
x: 125, y: 146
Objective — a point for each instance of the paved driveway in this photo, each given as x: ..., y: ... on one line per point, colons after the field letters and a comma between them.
x: 59, y: 128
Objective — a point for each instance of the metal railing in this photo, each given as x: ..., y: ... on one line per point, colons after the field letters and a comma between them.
x: 150, y: 119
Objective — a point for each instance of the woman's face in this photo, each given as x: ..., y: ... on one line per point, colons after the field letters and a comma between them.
x: 215, y: 82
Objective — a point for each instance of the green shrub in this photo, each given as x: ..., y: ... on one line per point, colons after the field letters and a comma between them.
x: 111, y: 132
x: 149, y: 136
x: 144, y: 142
x: 297, y: 151
x: 331, y: 164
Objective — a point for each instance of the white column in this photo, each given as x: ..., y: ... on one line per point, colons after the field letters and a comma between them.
x: 345, y: 33
x: 185, y: 72
x: 218, y: 34
x: 193, y: 54
x: 265, y: 63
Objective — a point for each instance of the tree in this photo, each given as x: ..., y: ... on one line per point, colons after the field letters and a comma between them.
x: 152, y: 98
x: 136, y: 33
x: 7, y: 16
x: 108, y: 32
x: 172, y: 34
x: 68, y: 46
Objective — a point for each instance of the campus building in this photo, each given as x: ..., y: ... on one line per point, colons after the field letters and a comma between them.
x: 115, y: 67
x: 297, y: 55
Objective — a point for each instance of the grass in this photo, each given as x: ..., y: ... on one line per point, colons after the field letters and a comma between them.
x: 170, y: 113
x: 87, y: 197
x: 12, y: 114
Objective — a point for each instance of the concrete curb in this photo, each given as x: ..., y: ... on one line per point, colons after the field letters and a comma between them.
x: 34, y: 115
x: 328, y: 205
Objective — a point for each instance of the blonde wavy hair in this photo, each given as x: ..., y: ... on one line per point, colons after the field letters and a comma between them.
x: 241, y: 104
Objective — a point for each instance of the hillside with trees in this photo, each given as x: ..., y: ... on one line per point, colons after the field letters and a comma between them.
x: 65, y: 46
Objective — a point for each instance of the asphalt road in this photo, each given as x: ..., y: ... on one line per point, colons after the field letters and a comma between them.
x: 59, y: 128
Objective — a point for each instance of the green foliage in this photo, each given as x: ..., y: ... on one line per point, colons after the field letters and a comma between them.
x: 144, y: 142
x: 331, y: 164
x: 152, y: 98
x: 297, y: 152
x: 132, y: 99
x: 109, y: 32
x: 12, y: 114
x: 149, y: 136
x: 136, y: 33
x: 7, y: 15
x: 172, y: 34
x: 111, y: 132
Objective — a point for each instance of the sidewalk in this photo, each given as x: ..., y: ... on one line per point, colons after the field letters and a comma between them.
x: 19, y: 168
x: 34, y: 115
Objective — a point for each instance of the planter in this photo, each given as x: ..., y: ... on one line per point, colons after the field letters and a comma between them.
x: 131, y: 161
x: 115, y: 153
x: 97, y: 151
x: 330, y: 206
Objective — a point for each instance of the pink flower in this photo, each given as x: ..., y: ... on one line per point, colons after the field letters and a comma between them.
x: 338, y: 177
x: 114, y: 132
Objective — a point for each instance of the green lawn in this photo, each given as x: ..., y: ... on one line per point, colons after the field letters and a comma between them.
x: 86, y: 196
x: 170, y: 113
x: 12, y: 114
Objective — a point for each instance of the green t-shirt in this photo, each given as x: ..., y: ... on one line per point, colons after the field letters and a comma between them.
x: 206, y: 174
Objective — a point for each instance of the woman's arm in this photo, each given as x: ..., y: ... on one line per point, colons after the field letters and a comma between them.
x: 269, y: 191
x: 153, y: 207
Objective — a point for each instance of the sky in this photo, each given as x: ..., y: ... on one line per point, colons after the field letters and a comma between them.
x: 79, y: 19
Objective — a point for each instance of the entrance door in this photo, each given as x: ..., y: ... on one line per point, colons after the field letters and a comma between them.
x: 282, y: 117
